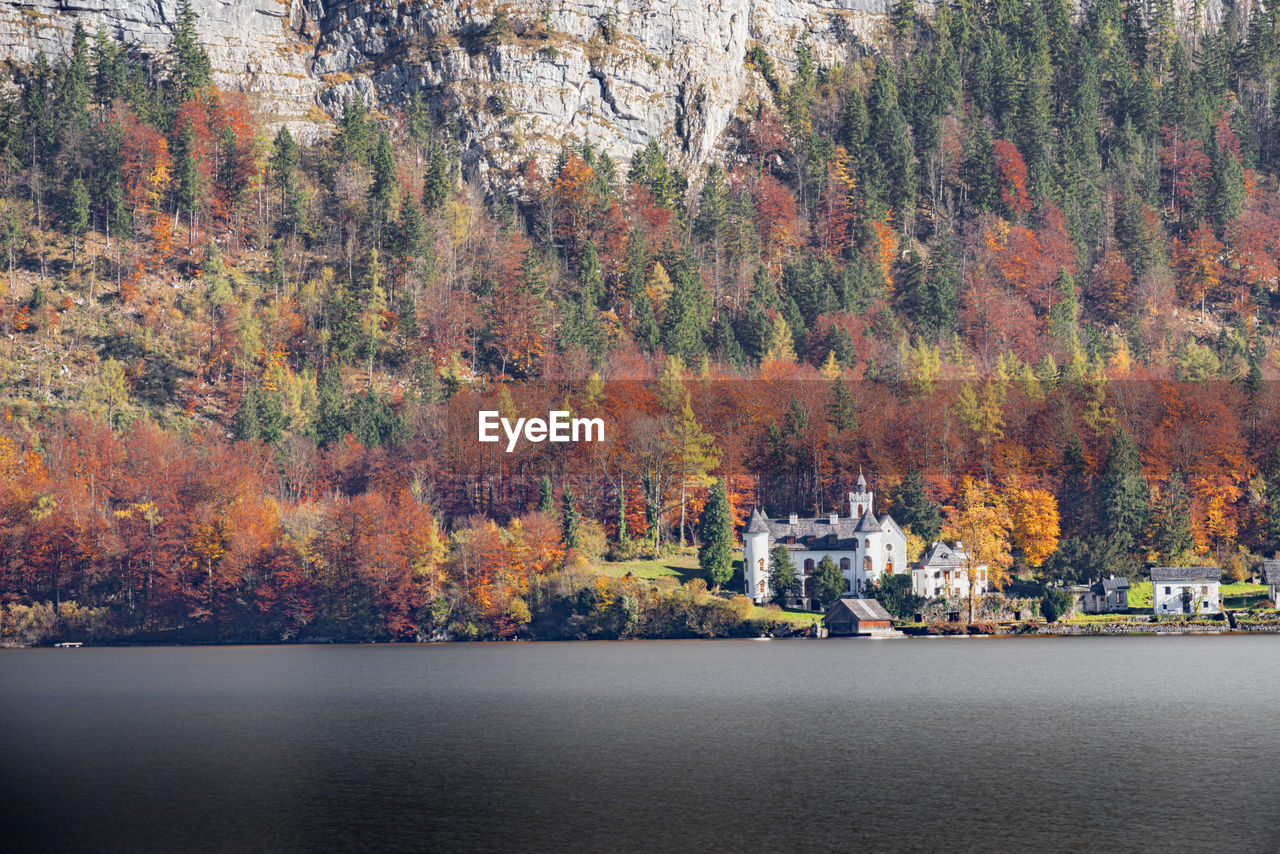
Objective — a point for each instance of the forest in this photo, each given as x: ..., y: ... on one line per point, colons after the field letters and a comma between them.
x: 1015, y: 263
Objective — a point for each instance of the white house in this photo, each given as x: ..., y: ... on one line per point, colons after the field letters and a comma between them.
x: 1185, y: 589
x: 944, y: 572
x: 865, y: 547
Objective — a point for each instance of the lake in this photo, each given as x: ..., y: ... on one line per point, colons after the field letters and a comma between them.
x: 1038, y: 744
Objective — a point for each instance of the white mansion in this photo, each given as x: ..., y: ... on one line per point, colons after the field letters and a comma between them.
x: 863, y: 545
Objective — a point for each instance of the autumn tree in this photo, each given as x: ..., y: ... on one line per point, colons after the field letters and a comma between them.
x: 1034, y: 513
x: 981, y: 522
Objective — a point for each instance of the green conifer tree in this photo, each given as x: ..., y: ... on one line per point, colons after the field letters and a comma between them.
x: 715, y: 533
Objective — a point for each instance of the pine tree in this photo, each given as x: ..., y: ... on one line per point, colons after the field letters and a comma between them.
x: 284, y: 169
x: 108, y: 69
x: 623, y: 539
x: 186, y: 176
x: 687, y: 315
x: 891, y: 159
x: 546, y: 497
x: 1172, y: 536
x: 942, y: 304
x: 855, y: 128
x: 73, y: 99
x: 784, y: 581
x: 331, y: 422
x: 192, y: 72
x: 828, y: 581
x: 245, y: 424
x: 78, y: 217
x: 435, y: 182
x: 1065, y: 309
x: 913, y: 509
x: 1228, y: 186
x: 1123, y: 493
x: 841, y: 412
x: 902, y: 19
x: 571, y: 518
x: 352, y: 139
x: 979, y: 169
x: 384, y: 172
x: 715, y: 532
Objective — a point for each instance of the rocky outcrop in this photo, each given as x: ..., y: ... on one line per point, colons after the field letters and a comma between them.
x: 254, y: 45
x: 520, y: 79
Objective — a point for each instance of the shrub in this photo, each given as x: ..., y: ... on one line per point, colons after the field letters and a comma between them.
x: 1055, y: 604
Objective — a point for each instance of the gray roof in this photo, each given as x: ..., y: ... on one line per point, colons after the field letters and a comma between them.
x: 816, y: 534
x: 1185, y: 573
x: 1271, y: 571
x: 869, y: 524
x: 860, y: 609
x: 944, y: 555
x: 758, y: 524
x: 1112, y: 585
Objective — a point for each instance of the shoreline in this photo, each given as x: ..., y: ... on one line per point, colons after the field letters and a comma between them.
x: 1056, y: 631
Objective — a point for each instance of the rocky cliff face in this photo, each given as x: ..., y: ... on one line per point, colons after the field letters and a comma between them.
x: 614, y: 73
x: 521, y: 79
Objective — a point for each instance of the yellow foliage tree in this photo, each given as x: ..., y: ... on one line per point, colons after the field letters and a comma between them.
x: 1035, y: 524
x: 979, y: 524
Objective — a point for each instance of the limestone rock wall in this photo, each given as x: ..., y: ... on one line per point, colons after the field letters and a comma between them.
x: 614, y: 73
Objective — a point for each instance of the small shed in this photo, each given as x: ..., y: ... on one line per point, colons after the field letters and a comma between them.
x: 1271, y: 578
x: 853, y: 616
x: 1107, y: 596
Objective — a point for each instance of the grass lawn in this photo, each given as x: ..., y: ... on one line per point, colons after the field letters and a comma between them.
x: 684, y: 567
x: 680, y: 567
x: 1140, y: 595
x: 799, y: 618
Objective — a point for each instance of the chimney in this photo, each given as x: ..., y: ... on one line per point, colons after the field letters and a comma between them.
x: 835, y: 517
x: 795, y: 520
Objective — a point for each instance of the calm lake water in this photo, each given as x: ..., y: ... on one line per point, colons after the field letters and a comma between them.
x: 1123, y: 744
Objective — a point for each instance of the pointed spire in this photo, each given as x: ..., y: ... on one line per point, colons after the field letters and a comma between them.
x: 862, y: 481
x: 757, y: 525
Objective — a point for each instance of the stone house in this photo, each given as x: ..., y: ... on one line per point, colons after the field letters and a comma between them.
x: 1186, y: 589
x: 1271, y: 578
x: 1107, y: 596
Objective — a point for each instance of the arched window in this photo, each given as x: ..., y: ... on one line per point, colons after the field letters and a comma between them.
x: 845, y: 564
x: 866, y: 565
x: 762, y: 587
x: 762, y: 568
x: 848, y: 585
x: 859, y: 511
x: 808, y: 566
x: 808, y: 587
x: 866, y: 544
x: 888, y: 567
